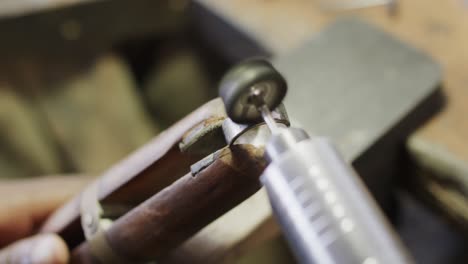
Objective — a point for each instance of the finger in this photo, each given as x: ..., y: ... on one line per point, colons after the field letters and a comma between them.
x: 24, y: 204
x: 40, y: 249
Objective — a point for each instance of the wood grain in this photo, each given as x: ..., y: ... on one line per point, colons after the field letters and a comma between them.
x: 168, y: 218
x: 137, y: 177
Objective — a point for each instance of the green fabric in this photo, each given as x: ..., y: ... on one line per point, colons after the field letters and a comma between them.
x: 177, y: 86
x: 79, y: 118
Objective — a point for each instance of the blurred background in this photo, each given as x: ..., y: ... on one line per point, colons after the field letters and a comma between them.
x: 85, y: 82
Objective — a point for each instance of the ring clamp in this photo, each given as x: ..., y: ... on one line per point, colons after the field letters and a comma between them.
x: 94, y: 226
x: 233, y: 131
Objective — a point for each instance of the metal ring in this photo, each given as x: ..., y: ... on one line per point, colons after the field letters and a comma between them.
x: 232, y: 130
x: 94, y: 227
x: 91, y: 211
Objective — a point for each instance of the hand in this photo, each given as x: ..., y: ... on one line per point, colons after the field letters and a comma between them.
x: 24, y: 205
x: 43, y: 248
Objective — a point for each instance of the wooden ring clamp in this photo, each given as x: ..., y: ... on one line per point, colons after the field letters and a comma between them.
x: 150, y: 177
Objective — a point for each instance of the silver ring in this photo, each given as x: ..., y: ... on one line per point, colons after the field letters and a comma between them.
x: 232, y: 130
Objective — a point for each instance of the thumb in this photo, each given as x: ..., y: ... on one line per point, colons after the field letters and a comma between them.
x: 39, y: 249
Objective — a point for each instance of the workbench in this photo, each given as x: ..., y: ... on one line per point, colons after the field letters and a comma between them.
x: 439, y: 149
x: 439, y: 28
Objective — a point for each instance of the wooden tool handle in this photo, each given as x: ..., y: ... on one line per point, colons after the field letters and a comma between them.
x: 136, y: 178
x: 164, y: 221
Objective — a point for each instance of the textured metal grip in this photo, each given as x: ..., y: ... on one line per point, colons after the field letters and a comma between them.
x: 325, y: 211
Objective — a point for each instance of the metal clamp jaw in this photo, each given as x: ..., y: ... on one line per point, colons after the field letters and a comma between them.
x: 233, y: 132
x: 210, y: 137
x: 91, y: 213
x: 244, y: 90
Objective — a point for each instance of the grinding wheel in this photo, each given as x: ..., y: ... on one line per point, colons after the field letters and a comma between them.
x: 242, y: 81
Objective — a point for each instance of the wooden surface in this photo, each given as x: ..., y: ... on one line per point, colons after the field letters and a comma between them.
x: 169, y: 217
x: 231, y: 236
x: 137, y: 177
x: 439, y: 28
